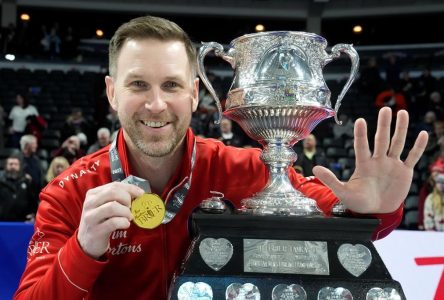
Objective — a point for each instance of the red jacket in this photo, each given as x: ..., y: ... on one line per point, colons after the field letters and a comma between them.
x: 140, y: 263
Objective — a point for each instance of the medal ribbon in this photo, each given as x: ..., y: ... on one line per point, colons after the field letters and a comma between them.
x: 175, y: 203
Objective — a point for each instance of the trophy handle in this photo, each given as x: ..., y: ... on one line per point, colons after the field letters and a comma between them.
x: 218, y: 51
x: 354, y: 57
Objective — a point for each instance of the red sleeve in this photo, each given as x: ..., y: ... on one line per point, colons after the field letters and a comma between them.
x: 313, y: 188
x: 57, y: 267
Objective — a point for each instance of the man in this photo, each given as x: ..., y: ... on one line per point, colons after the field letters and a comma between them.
x: 16, y: 201
x: 310, y: 156
x: 32, y: 165
x: 103, y: 139
x: 96, y: 251
x: 227, y: 136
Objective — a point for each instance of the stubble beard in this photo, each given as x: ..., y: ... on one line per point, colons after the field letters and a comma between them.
x: 154, y: 146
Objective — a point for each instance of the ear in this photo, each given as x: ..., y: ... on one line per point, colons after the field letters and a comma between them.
x: 195, y: 100
x: 109, y: 81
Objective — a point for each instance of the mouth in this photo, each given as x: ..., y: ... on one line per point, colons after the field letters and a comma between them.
x: 153, y: 124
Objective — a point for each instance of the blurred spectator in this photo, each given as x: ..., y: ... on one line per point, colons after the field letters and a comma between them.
x: 75, y: 123
x: 433, y: 208
x: 196, y: 124
x: 370, y: 80
x: 103, y: 139
x: 426, y: 84
x: 32, y: 165
x: 45, y: 41
x: 18, y: 116
x: 227, y: 135
x: 83, y: 141
x: 112, y: 120
x: 406, y: 83
x: 345, y: 130
x: 310, y: 156
x: 35, y: 125
x: 56, y: 167
x: 391, y: 98
x: 54, y: 43
x: 70, y: 149
x: 427, y: 123
x: 206, y: 112
x: 436, y: 105
x: 427, y: 188
x: 16, y: 195
x: 435, y: 145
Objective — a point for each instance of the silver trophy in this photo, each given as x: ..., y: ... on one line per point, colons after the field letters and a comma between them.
x: 278, y: 96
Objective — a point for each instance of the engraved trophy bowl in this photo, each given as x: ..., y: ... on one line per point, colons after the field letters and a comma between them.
x: 278, y: 96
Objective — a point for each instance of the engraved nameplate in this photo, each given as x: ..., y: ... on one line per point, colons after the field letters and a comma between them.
x: 286, y: 257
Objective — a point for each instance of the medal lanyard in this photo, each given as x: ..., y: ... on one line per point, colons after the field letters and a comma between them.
x: 172, y: 206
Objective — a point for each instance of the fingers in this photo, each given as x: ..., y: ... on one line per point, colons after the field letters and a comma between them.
x: 115, y: 223
x: 329, y: 179
x: 398, y: 139
x: 382, y: 137
x: 115, y: 191
x: 362, y: 151
x: 107, y: 211
x: 417, y: 150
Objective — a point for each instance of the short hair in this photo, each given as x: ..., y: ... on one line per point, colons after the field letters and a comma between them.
x: 145, y: 28
x: 103, y: 130
x: 27, y: 139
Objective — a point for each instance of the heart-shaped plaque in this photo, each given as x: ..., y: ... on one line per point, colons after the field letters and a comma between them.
x: 190, y: 290
x: 237, y: 291
x: 288, y: 292
x: 329, y: 293
x: 216, y: 253
x: 377, y: 293
x: 354, y: 258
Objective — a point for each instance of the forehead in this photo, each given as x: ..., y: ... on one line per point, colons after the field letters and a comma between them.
x: 152, y: 56
x: 13, y: 161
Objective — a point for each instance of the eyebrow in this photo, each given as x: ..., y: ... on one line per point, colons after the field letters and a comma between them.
x: 173, y: 78
x: 132, y: 76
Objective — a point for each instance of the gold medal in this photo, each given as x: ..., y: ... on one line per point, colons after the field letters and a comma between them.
x: 148, y: 211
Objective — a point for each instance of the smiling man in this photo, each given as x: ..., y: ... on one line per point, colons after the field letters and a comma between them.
x: 100, y: 238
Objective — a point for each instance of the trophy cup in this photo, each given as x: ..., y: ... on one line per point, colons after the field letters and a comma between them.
x: 278, y: 246
x: 278, y: 96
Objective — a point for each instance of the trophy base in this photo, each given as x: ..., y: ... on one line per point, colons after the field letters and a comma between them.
x: 293, y: 203
x: 279, y: 257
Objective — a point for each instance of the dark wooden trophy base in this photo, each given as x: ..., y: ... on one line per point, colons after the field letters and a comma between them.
x: 272, y: 232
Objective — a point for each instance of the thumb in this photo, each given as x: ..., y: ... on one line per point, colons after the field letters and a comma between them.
x: 328, y: 178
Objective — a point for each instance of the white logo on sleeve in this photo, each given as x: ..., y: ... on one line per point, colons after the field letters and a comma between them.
x: 37, y: 245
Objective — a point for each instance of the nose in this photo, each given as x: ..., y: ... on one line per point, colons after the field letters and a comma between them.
x: 155, y: 102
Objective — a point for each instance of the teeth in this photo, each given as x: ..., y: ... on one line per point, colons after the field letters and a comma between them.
x: 154, y: 124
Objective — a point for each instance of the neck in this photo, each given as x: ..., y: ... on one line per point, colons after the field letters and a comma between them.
x: 157, y: 170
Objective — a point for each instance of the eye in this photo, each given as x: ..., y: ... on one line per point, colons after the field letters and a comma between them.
x: 171, y: 85
x: 138, y: 84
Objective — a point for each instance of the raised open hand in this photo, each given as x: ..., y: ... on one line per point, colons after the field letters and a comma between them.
x: 381, y: 181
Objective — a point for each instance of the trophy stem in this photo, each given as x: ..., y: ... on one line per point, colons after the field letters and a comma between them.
x: 279, y: 197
